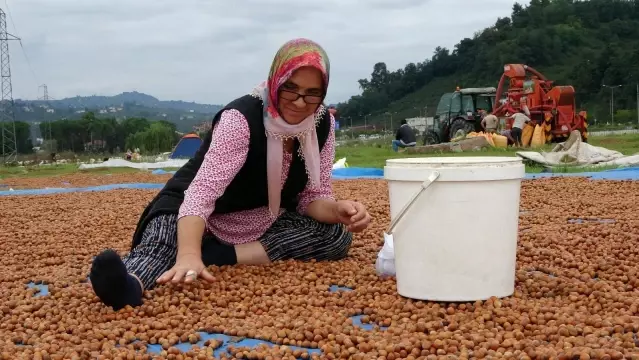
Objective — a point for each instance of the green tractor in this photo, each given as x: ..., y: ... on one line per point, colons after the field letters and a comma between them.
x: 458, y: 114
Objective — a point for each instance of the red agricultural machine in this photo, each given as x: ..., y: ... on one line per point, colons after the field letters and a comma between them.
x: 552, y: 107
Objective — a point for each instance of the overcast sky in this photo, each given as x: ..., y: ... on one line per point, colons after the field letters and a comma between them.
x: 211, y: 51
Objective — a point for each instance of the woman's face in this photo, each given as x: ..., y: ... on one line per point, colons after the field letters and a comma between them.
x: 300, y: 96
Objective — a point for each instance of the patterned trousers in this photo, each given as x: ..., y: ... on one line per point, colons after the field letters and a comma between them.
x: 292, y: 236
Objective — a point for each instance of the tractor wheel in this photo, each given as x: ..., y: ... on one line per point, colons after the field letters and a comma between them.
x: 430, y: 138
x: 460, y: 124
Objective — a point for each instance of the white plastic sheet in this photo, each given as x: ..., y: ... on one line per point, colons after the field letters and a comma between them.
x: 175, y: 163
x: 574, y: 152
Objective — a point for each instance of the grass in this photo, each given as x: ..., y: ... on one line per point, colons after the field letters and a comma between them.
x: 625, y: 144
x: 372, y: 154
x: 375, y: 154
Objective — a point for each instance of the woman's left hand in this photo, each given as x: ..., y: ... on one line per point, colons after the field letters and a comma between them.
x: 352, y: 214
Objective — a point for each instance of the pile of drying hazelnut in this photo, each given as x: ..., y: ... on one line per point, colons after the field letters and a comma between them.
x: 81, y: 179
x: 577, y: 288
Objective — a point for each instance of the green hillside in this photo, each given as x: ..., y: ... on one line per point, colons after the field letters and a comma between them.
x: 183, y: 114
x: 582, y: 43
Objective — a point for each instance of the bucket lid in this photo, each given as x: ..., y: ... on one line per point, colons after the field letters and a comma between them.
x: 456, y: 161
x: 460, y: 168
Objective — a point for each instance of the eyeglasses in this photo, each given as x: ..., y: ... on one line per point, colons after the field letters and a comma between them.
x: 293, y: 96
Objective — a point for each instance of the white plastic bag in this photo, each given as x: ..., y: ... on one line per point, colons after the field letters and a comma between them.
x: 385, y: 263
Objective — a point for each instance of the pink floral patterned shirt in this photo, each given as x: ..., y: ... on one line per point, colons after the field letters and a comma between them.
x: 224, y: 159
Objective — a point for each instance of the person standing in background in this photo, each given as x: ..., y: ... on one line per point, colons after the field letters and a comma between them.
x: 519, y: 121
x: 489, y: 122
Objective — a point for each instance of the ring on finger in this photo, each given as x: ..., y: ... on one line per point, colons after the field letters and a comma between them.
x: 191, y: 273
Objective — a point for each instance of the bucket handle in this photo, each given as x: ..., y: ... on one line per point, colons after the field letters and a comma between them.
x: 431, y: 178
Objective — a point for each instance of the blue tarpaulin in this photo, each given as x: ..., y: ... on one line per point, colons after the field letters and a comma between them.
x: 84, y: 189
x: 358, y: 173
x: 338, y: 174
x: 615, y: 174
x: 375, y: 173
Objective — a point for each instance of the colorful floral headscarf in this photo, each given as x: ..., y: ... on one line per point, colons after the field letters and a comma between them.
x: 290, y: 57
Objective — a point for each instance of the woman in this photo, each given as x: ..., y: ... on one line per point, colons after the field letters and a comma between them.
x: 258, y: 190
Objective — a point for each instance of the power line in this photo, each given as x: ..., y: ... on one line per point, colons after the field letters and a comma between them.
x: 7, y: 114
x: 24, y: 52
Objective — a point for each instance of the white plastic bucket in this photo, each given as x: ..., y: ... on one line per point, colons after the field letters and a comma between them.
x: 458, y: 241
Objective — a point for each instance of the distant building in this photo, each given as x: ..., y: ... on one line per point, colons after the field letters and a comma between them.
x: 202, y: 127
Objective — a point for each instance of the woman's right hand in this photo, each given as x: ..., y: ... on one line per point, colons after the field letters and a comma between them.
x: 187, y: 268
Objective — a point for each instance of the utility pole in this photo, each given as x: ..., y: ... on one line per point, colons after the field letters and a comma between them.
x: 637, y: 103
x: 351, y: 120
x: 7, y: 114
x: 390, y: 114
x: 612, y: 100
x: 45, y: 97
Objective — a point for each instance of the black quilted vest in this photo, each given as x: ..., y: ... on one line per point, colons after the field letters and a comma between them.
x: 248, y: 190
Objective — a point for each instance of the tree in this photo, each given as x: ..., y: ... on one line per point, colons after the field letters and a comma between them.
x: 580, y: 43
x: 157, y: 138
x: 23, y: 136
x: 107, y: 134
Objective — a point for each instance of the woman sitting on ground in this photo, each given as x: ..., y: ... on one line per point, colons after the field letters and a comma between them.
x: 258, y: 190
